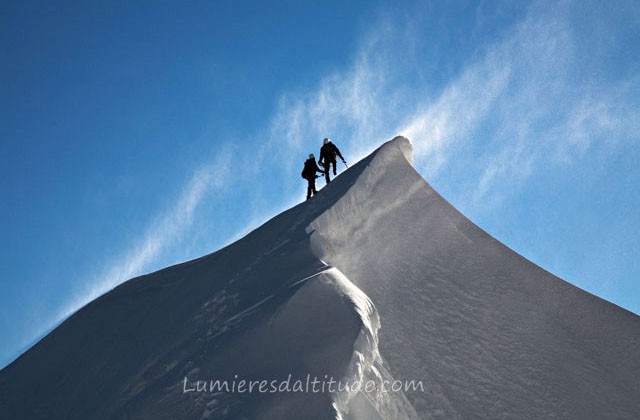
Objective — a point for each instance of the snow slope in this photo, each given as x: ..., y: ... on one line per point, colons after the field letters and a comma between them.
x: 376, y: 279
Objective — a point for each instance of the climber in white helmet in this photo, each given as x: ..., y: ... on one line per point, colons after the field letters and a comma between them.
x: 328, y: 154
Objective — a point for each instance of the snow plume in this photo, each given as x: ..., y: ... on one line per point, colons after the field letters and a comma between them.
x: 523, y: 108
x: 523, y: 102
x: 161, y: 235
x: 351, y: 106
x: 514, y: 108
x: 456, y: 113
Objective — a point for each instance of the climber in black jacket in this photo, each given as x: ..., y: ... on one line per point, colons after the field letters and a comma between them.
x: 309, y: 173
x: 328, y: 153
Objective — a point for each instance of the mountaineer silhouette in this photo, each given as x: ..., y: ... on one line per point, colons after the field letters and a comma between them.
x: 328, y: 154
x: 309, y: 173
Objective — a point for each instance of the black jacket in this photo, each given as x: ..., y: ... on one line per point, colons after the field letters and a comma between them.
x: 310, y: 169
x: 328, y: 153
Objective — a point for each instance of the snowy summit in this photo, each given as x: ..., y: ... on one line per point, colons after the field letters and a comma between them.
x: 375, y: 299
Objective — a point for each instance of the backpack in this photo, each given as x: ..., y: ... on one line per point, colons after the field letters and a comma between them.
x: 308, y: 172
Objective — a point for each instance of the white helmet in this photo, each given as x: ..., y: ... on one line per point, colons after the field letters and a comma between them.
x: 327, y: 141
x: 311, y: 156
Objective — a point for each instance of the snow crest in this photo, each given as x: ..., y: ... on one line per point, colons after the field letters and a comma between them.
x: 328, y: 232
x: 363, y: 395
x: 353, y: 213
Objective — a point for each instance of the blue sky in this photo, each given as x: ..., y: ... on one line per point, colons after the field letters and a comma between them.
x: 134, y: 136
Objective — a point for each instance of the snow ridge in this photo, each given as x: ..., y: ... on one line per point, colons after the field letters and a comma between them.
x: 328, y: 232
x: 366, y: 366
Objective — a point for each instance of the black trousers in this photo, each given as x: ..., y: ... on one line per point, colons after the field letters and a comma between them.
x: 311, y: 187
x: 327, y: 167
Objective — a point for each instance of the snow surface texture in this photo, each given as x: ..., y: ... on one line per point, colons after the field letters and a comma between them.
x: 376, y: 279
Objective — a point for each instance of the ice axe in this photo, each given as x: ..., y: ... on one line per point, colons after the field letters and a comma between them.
x: 345, y: 163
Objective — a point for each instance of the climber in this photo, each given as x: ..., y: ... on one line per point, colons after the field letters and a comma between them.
x: 309, y: 173
x: 328, y: 153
